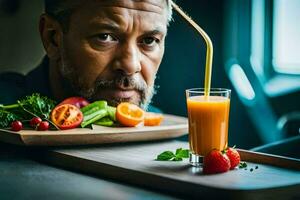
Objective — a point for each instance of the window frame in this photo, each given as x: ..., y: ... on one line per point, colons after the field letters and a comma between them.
x: 274, y: 83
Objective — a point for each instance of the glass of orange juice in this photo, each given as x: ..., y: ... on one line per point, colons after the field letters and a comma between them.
x: 208, y: 121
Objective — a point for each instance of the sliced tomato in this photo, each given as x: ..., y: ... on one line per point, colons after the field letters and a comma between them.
x: 66, y: 116
x: 79, y: 102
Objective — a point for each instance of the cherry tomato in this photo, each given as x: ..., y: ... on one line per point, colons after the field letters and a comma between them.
x: 16, y: 126
x: 43, y: 126
x: 66, y: 116
x: 35, y: 121
x: 79, y: 102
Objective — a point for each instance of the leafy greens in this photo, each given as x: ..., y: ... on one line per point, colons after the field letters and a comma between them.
x: 26, y: 108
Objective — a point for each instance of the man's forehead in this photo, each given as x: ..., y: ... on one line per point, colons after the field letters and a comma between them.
x: 113, y: 12
x: 146, y: 5
x: 136, y: 3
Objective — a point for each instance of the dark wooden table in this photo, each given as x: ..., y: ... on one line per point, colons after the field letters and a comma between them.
x: 21, y: 177
x: 24, y: 174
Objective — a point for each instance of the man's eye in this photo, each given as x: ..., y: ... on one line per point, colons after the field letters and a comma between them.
x: 150, y: 41
x: 105, y: 37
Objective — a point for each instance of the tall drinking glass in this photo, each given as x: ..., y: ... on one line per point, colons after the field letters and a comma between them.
x: 208, y: 121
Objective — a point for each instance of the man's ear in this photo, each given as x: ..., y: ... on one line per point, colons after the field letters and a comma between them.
x: 51, y: 35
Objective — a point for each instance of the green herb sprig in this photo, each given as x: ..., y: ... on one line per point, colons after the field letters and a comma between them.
x: 24, y: 109
x: 170, y: 156
x: 242, y: 165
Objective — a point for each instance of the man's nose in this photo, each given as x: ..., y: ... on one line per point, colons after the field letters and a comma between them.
x: 128, y: 60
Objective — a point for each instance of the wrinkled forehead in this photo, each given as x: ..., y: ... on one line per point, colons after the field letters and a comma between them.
x: 63, y: 9
x: 147, y: 5
x: 148, y: 14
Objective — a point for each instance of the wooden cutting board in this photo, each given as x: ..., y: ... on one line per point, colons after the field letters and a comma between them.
x: 172, y: 127
x: 135, y: 163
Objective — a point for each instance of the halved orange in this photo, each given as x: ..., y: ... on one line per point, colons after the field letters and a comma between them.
x: 153, y: 119
x: 129, y: 114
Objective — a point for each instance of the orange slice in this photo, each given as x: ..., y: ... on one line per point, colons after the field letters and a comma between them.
x: 153, y: 119
x: 129, y: 114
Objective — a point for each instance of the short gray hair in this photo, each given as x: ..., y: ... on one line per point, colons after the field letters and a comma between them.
x: 61, y: 10
x: 170, y: 11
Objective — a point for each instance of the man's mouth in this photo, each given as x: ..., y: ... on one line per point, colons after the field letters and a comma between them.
x: 118, y: 94
x: 122, y: 94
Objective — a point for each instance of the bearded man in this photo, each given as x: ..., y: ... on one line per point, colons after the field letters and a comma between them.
x: 98, y: 49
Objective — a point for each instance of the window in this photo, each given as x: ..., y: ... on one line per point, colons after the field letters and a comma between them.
x: 275, y: 45
x: 286, y: 36
x: 275, y: 41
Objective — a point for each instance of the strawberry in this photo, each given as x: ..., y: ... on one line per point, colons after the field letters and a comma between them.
x: 233, y: 156
x: 216, y: 162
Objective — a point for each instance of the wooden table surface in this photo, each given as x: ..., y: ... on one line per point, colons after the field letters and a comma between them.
x: 134, y: 163
x: 24, y: 178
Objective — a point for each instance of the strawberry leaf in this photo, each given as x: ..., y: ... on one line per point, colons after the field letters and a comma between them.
x: 224, y: 151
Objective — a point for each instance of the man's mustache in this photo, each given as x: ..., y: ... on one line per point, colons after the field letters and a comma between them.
x: 123, y: 83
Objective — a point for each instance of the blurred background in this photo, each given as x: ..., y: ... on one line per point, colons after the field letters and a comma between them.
x: 256, y: 54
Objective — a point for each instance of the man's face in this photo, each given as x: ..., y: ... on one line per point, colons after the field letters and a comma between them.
x: 112, y: 49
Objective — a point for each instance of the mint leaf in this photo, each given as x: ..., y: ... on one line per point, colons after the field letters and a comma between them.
x: 169, y: 155
x: 177, y: 159
x: 166, y: 155
x: 178, y: 150
x: 182, y: 153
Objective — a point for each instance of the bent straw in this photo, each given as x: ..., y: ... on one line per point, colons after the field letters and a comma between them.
x: 209, y: 47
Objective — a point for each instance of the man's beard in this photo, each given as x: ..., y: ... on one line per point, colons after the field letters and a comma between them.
x: 73, y: 81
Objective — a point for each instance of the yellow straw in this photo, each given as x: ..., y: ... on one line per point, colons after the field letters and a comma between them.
x: 209, y: 47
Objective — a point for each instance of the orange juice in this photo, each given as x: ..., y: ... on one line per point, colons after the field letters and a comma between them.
x: 208, y: 123
x: 208, y: 108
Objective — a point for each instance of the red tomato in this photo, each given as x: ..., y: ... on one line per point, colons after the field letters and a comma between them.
x: 16, y: 126
x: 79, y: 102
x: 43, y: 126
x: 34, y: 122
x: 66, y: 116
